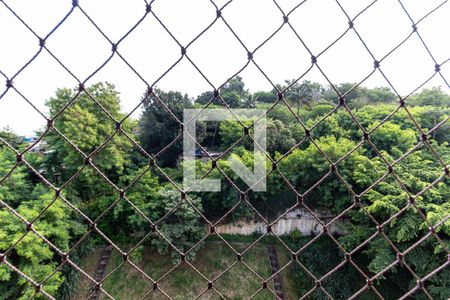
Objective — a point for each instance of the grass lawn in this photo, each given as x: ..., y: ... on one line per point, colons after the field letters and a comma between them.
x: 289, y: 286
x: 184, y: 282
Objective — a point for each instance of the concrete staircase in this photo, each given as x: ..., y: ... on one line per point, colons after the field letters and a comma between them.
x: 94, y: 294
x: 275, y: 266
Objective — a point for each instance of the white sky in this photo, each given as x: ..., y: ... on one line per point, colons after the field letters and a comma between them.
x: 151, y: 51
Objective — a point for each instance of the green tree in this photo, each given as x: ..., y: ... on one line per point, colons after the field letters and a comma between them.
x: 182, y: 224
x: 144, y: 195
x: 32, y: 255
x: 182, y: 227
x: 331, y: 95
x: 433, y: 96
x: 303, y: 168
x: 391, y: 138
x: 306, y: 93
x: 265, y: 97
x: 15, y: 187
x: 278, y: 137
x: 319, y: 258
x: 8, y: 135
x: 231, y: 131
x: 159, y: 128
x: 249, y: 102
x: 380, y: 95
x: 386, y: 199
x: 206, y: 97
x: 88, y: 127
x: 232, y: 93
x: 360, y: 96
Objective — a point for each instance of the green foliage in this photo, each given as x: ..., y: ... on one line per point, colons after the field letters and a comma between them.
x: 233, y: 94
x: 182, y: 227
x: 265, y: 97
x: 231, y: 131
x: 306, y: 93
x: 32, y: 255
x: 15, y: 187
x: 278, y: 137
x: 158, y: 128
x: 280, y: 112
x: 360, y: 96
x: 144, y: 195
x: 331, y: 126
x: 72, y: 278
x: 303, y: 168
x: 7, y: 134
x: 436, y: 213
x: 380, y: 95
x: 388, y: 198
x: 206, y: 97
x: 319, y: 258
x: 87, y: 126
x: 434, y: 97
x: 249, y: 102
x: 391, y: 138
x: 234, y: 91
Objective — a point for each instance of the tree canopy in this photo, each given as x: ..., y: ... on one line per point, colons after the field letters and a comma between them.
x: 326, y: 157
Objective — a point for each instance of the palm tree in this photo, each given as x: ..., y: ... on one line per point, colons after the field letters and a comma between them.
x: 306, y: 93
x: 304, y: 96
x: 250, y: 101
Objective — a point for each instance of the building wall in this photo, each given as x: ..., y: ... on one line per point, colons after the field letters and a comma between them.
x: 299, y: 219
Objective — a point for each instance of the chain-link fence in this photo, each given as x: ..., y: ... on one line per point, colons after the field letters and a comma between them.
x: 212, y: 283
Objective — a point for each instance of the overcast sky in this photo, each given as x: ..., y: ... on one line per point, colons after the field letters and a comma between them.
x: 217, y: 53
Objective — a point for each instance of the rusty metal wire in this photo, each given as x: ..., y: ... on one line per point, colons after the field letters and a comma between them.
x: 284, y: 16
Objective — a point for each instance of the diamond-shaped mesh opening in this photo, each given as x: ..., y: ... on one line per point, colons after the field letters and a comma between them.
x: 332, y: 24
x: 390, y: 29
x: 13, y: 101
x: 295, y: 60
x: 396, y: 62
x: 79, y: 28
x: 357, y: 174
x: 24, y: 47
x: 209, y: 40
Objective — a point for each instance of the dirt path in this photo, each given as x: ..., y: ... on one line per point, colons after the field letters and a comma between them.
x: 274, y: 267
x: 100, y: 271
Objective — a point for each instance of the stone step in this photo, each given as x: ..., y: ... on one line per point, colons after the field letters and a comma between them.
x: 275, y: 267
x: 100, y: 271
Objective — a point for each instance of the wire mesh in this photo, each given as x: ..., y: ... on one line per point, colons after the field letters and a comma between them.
x: 211, y: 283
